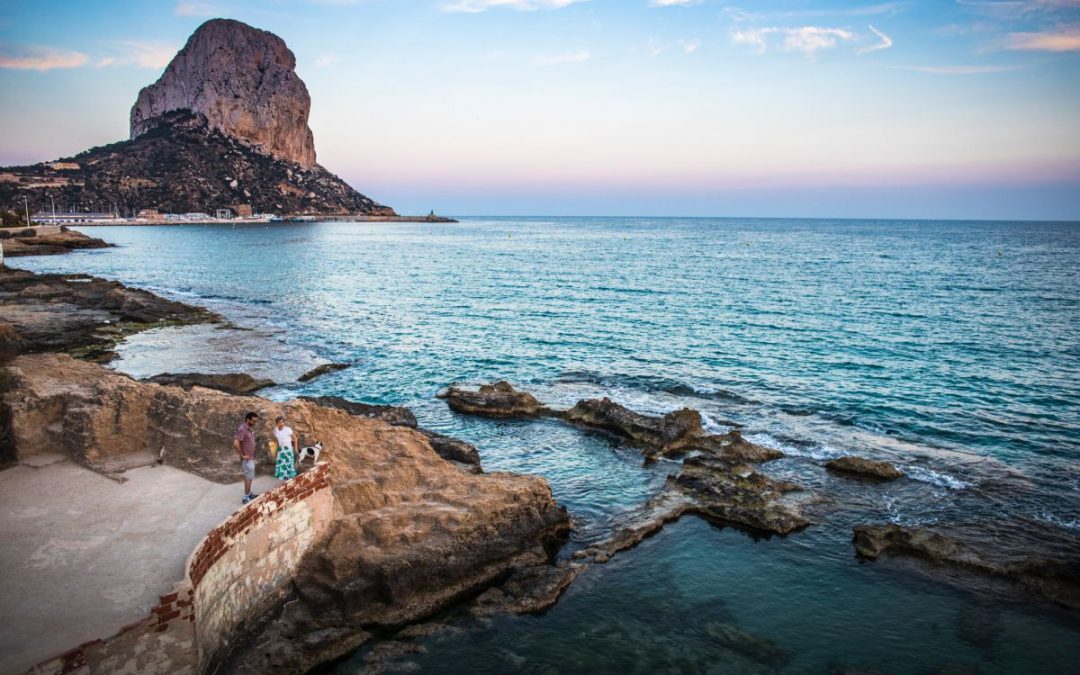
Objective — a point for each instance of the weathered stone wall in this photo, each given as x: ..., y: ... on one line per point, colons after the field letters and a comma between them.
x: 238, y: 571
x: 244, y: 565
x: 162, y: 643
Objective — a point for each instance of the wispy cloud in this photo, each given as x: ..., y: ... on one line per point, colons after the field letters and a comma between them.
x: 477, y: 6
x: 673, y: 3
x: 690, y: 46
x: 1020, y: 7
x: 657, y: 47
x: 194, y: 8
x: 139, y: 53
x: 956, y: 70
x: 40, y: 58
x: 559, y: 59
x: 1062, y: 40
x: 885, y: 42
x: 328, y: 59
x: 880, y: 9
x: 807, y: 40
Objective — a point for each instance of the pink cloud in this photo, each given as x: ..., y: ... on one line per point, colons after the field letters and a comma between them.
x: 41, y: 58
x: 1064, y: 40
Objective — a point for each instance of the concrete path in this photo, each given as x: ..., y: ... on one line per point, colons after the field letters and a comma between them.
x: 83, y: 555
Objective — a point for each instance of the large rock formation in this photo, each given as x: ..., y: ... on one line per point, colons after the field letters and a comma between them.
x: 411, y: 534
x: 224, y: 128
x: 243, y: 81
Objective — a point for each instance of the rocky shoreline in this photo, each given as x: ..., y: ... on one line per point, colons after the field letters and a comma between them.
x: 722, y: 480
x: 419, y: 528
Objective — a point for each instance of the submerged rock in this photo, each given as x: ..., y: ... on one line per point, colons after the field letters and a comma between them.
x: 1052, y: 574
x: 322, y: 370
x: 494, y: 400
x: 752, y: 647
x: 232, y: 383
x: 864, y: 468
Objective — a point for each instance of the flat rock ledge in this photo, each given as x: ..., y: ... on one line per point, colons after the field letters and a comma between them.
x: 1053, y: 575
x: 866, y: 469
x: 230, y: 383
x: 82, y: 315
x: 319, y: 371
x: 47, y: 244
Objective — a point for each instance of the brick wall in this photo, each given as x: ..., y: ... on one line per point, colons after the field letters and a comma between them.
x: 238, y: 572
x: 242, y: 568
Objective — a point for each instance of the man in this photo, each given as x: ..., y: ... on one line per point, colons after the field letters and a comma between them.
x: 244, y: 443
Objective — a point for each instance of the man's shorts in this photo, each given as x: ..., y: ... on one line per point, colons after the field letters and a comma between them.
x: 247, y: 466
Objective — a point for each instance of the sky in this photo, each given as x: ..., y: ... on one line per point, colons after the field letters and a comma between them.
x: 805, y: 108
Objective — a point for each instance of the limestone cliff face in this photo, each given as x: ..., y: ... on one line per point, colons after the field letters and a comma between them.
x: 242, y: 80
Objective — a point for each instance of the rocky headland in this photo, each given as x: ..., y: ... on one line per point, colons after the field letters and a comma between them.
x: 413, y: 532
x: 225, y: 127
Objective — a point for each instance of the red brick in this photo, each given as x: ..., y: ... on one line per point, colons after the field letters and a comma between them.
x: 169, y: 597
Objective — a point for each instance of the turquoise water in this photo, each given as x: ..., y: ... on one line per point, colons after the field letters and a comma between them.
x: 949, y: 348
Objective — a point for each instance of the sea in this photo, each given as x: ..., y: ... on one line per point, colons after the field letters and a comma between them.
x: 949, y: 348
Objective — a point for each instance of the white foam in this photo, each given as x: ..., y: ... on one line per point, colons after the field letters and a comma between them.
x: 924, y: 475
x: 1068, y: 524
x: 821, y: 453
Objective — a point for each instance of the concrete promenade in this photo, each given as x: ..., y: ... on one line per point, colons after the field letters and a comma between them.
x: 83, y: 555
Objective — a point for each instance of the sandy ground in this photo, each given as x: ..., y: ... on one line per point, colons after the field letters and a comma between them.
x: 83, y: 555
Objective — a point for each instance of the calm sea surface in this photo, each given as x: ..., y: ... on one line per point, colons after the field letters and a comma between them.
x: 949, y: 348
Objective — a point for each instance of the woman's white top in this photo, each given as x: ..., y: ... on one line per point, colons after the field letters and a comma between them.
x: 284, y: 437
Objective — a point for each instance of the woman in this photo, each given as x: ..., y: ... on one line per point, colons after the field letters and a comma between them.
x: 285, y: 468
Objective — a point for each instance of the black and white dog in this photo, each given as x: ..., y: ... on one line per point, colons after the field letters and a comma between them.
x: 311, y: 451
